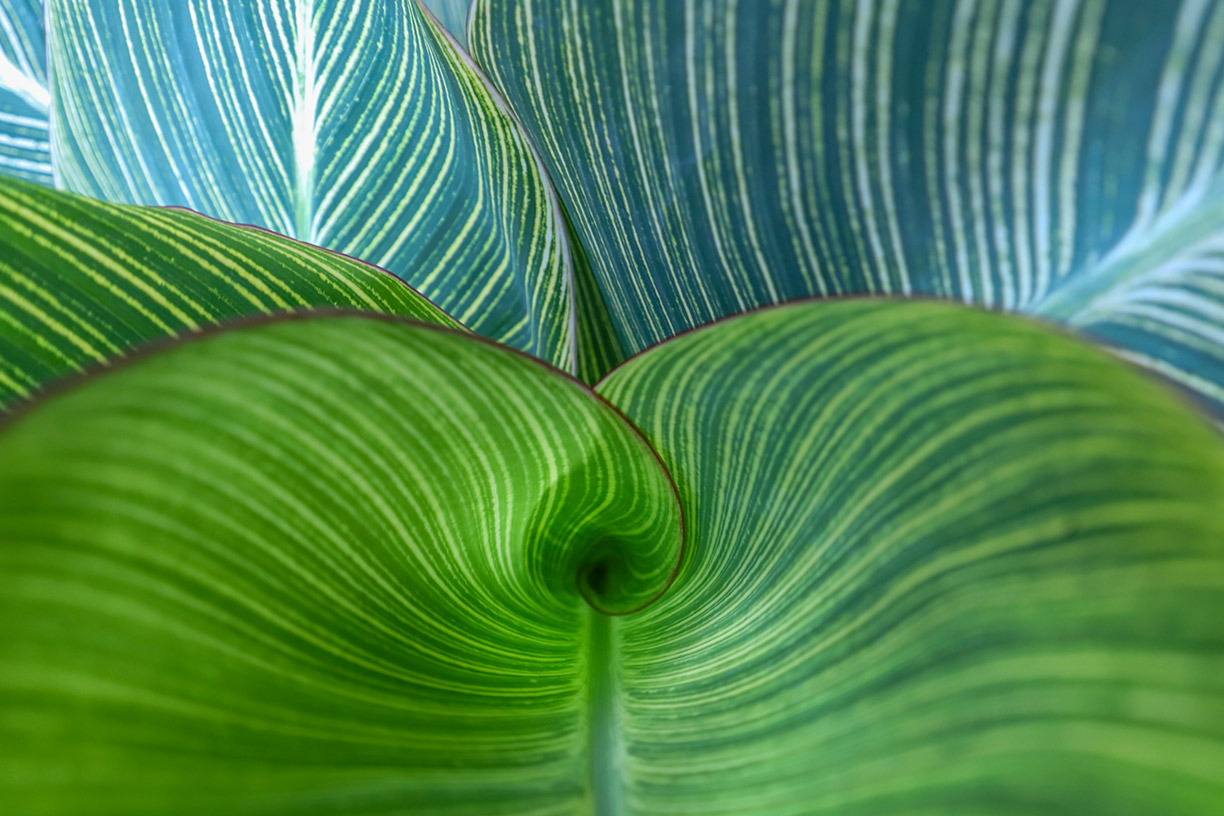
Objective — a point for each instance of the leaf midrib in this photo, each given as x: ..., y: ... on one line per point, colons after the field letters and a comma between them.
x: 605, y: 749
x: 305, y: 105
x: 1135, y: 255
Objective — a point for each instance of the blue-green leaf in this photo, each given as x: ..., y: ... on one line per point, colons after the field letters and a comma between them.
x: 1052, y: 157
x: 357, y: 126
x: 453, y: 15
x: 25, y: 139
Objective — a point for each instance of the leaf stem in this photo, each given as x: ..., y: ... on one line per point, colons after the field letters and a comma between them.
x: 606, y: 749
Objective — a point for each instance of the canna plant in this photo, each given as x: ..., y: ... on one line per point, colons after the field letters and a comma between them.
x: 611, y: 407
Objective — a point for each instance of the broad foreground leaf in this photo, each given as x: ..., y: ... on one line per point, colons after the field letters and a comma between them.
x: 1056, y: 158
x: 318, y: 566
x: 352, y: 124
x: 941, y: 561
x: 82, y: 282
x: 25, y: 138
x: 938, y: 561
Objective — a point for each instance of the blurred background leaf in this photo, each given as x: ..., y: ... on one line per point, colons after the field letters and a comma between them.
x: 453, y: 15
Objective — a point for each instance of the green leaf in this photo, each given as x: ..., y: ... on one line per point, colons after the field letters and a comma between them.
x: 938, y: 561
x: 941, y: 561
x: 82, y: 282
x: 318, y: 566
x: 1053, y: 157
x: 357, y: 126
x: 25, y: 141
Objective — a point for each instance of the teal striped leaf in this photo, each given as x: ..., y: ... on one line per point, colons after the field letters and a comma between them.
x: 941, y: 561
x: 25, y: 132
x: 1062, y: 158
x: 357, y: 126
x: 325, y: 565
x: 83, y: 282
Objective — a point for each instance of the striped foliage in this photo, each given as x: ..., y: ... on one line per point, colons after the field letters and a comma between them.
x: 935, y: 560
x: 356, y: 125
x: 1062, y: 158
x: 941, y: 561
x: 82, y: 282
x: 25, y: 140
x: 317, y: 566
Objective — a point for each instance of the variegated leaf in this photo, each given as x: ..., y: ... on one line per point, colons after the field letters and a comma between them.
x: 83, y: 282
x: 357, y: 126
x: 25, y: 140
x: 1063, y: 158
x: 938, y: 561
x: 942, y: 562
x: 319, y: 566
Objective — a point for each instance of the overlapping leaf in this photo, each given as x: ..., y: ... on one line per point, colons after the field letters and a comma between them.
x: 1054, y: 157
x: 82, y: 282
x: 25, y: 139
x: 941, y: 562
x: 357, y: 126
x: 318, y: 566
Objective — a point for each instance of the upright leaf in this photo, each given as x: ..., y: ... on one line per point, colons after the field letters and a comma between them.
x: 25, y: 142
x: 357, y: 126
x: 1054, y: 157
x: 318, y: 566
x: 940, y: 561
x: 82, y: 282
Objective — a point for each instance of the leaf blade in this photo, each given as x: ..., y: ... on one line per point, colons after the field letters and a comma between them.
x: 941, y: 561
x: 83, y: 282
x: 317, y: 565
x: 25, y: 137
x: 716, y: 157
x: 358, y: 127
